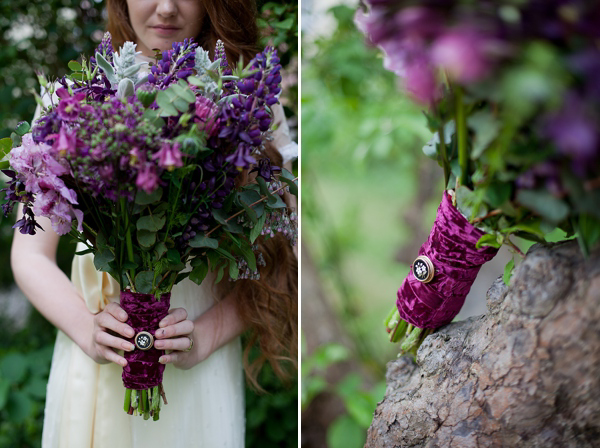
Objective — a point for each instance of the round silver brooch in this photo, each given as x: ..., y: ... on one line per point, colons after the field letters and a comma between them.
x: 423, y: 269
x: 144, y: 340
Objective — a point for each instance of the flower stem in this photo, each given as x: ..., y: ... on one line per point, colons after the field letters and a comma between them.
x: 128, y: 242
x: 461, y: 135
x: 444, y: 154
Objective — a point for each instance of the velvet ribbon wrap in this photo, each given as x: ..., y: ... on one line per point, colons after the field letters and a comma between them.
x: 451, y: 248
x: 143, y: 371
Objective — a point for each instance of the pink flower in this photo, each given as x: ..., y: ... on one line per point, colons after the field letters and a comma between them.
x: 420, y: 81
x: 169, y: 156
x: 64, y: 141
x: 135, y: 156
x: 206, y: 115
x: 69, y: 106
x: 463, y: 54
x: 147, y: 179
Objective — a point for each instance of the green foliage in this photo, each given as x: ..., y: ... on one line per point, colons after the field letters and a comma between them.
x: 272, y: 418
x: 349, y: 429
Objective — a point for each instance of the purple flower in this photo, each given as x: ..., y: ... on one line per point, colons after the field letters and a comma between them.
x: 420, y: 81
x: 169, y: 156
x: 69, y: 106
x: 147, y: 178
x: 462, y: 54
x: 573, y: 130
x: 206, y: 116
x: 64, y: 141
x: 265, y: 169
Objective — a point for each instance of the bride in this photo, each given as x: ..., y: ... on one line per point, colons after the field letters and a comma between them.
x: 204, y: 374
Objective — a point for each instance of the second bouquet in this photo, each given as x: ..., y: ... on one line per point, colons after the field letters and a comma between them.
x: 161, y: 173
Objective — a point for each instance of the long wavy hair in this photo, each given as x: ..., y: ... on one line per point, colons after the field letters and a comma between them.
x: 232, y: 21
x: 269, y: 306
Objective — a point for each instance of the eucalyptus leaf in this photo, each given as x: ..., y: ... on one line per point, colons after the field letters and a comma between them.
x: 143, y: 198
x: 152, y: 223
x: 160, y: 250
x: 143, y: 282
x: 102, y: 259
x: 146, y: 238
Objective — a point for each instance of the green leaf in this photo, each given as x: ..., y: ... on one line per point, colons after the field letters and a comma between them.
x: 22, y: 128
x: 143, y: 198
x: 18, y: 406
x: 264, y: 189
x: 143, y: 282
x: 291, y: 183
x: 488, y: 240
x: 233, y: 270
x: 36, y: 387
x: 199, y: 272
x: 160, y: 249
x: 255, y: 232
x: 184, y: 93
x: 84, y: 252
x: 248, y: 197
x: 5, y: 146
x: 74, y: 66
x: 221, y: 216
x: 469, y: 203
x: 152, y: 223
x: 531, y: 226
x: 497, y: 193
x: 249, y: 256
x: 102, y: 259
x: 14, y: 367
x: 145, y: 238
x: 220, y: 272
x: 545, y: 204
x: 130, y: 265
x: 195, y: 81
x: 4, y: 390
x: 286, y: 24
x: 163, y: 101
x: 508, y: 269
x: 277, y: 203
x: 486, y: 129
x: 201, y: 240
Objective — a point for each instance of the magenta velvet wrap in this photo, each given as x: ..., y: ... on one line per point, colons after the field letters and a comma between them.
x: 144, y: 312
x: 451, y: 248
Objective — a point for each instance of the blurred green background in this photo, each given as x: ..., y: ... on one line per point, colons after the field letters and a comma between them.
x: 46, y: 35
x: 369, y: 198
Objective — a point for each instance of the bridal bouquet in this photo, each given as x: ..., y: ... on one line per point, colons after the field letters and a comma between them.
x: 512, y: 95
x: 145, y: 168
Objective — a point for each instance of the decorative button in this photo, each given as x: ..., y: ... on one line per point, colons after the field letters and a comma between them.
x: 423, y: 269
x: 144, y: 340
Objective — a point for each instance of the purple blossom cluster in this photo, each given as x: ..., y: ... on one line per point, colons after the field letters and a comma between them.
x: 245, y: 116
x: 40, y: 174
x: 176, y: 63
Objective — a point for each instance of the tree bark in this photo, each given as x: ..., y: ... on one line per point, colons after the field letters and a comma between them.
x: 525, y: 374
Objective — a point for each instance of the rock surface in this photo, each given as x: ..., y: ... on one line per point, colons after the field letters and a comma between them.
x: 525, y: 374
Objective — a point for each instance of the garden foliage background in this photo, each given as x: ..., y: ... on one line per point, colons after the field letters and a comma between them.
x: 46, y: 35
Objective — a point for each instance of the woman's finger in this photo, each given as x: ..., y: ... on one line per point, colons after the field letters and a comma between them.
x: 179, y: 329
x: 115, y: 310
x: 181, y: 344
x: 107, y: 340
x: 111, y: 356
x: 175, y: 315
x: 108, y: 321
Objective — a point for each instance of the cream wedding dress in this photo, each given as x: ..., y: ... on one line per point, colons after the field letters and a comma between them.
x: 84, y: 403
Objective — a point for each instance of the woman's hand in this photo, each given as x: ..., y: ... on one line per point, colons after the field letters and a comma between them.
x: 175, y: 333
x: 111, y: 319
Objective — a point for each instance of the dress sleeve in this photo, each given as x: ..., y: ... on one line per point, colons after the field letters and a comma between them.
x: 281, y: 136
